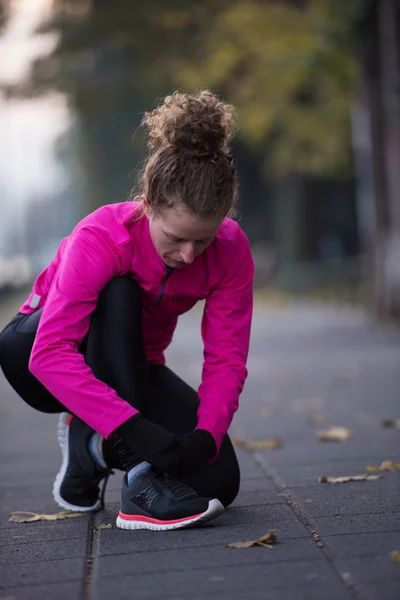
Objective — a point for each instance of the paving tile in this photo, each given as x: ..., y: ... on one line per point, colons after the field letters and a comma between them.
x: 389, y: 590
x: 304, y: 452
x: 17, y: 499
x: 308, y: 474
x: 332, y: 501
x: 68, y: 590
x: 157, y: 561
x: 225, y: 580
x: 370, y: 568
x: 387, y: 486
x: 357, y: 524
x: 249, y: 515
x: 41, y: 572
x: 254, y: 498
x: 362, y: 544
x: 347, y: 363
x: 34, y: 551
x: 44, y: 531
x: 249, y: 467
x: 257, y: 484
x: 335, y: 591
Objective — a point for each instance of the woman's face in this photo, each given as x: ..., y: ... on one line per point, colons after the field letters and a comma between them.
x: 179, y: 236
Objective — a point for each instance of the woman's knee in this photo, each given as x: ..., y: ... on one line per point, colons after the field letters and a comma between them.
x: 119, y: 309
x: 120, y: 289
x: 220, y: 479
x: 231, y: 486
x: 11, y: 345
x: 228, y: 492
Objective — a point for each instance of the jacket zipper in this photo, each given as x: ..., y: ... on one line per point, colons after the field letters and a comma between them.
x: 164, y: 283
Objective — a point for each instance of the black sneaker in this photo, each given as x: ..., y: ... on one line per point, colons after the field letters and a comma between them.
x: 77, y: 484
x: 156, y: 501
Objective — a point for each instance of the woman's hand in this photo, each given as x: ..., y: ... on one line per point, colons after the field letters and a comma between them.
x: 196, y: 447
x: 152, y: 443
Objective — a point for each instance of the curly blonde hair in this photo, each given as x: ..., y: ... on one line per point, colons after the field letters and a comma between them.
x: 190, y: 162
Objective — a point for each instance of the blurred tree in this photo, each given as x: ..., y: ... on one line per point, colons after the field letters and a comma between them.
x: 111, y: 64
x: 275, y: 63
x: 287, y: 66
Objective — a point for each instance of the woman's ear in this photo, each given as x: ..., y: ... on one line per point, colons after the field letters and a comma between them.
x: 146, y: 205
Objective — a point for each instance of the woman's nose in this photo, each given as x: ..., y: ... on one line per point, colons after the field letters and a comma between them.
x: 187, y: 254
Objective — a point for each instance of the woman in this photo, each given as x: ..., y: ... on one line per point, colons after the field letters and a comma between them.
x: 90, y: 339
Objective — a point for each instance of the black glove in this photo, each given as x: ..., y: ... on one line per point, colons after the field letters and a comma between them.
x: 196, y: 448
x: 152, y: 443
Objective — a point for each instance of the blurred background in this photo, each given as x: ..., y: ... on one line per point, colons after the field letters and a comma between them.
x: 316, y: 84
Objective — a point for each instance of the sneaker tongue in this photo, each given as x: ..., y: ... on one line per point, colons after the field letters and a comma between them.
x: 179, y: 488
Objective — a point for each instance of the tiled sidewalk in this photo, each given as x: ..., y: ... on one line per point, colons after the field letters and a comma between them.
x: 334, y: 541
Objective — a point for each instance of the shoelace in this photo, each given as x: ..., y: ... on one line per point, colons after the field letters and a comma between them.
x: 176, y: 486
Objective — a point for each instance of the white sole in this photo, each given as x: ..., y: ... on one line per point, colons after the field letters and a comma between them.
x: 62, y: 434
x: 215, y: 508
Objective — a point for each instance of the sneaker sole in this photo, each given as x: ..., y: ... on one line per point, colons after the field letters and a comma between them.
x: 215, y: 508
x: 62, y: 434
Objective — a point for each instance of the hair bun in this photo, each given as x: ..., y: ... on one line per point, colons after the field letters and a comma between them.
x: 199, y: 123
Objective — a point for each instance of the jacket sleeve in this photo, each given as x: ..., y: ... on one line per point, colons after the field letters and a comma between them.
x: 89, y: 262
x: 225, y: 329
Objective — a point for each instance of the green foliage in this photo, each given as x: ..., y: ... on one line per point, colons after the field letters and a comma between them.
x: 287, y: 66
x: 277, y: 64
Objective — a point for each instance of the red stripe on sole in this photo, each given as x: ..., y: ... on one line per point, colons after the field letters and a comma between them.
x: 69, y: 420
x: 156, y: 521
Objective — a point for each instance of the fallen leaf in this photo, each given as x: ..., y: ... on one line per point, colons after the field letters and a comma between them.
x: 96, y: 527
x: 390, y: 424
x: 243, y: 544
x: 396, y: 555
x: 334, y: 434
x: 265, y: 540
x: 363, y: 477
x: 387, y: 465
x: 317, y: 419
x: 270, y: 444
x: 22, y: 516
x: 268, y: 538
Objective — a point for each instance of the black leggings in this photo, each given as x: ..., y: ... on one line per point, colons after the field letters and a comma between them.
x: 114, y: 350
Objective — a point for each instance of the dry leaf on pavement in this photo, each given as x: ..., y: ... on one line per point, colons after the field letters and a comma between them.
x: 396, y: 555
x: 334, y: 434
x: 364, y: 477
x: 96, y: 526
x: 22, y: 516
x: 269, y: 444
x: 390, y: 424
x: 387, y: 465
x: 265, y: 540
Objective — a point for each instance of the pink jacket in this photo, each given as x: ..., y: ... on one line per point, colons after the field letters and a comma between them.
x: 108, y: 243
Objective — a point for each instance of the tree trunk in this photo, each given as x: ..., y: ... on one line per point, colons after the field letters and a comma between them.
x: 376, y: 137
